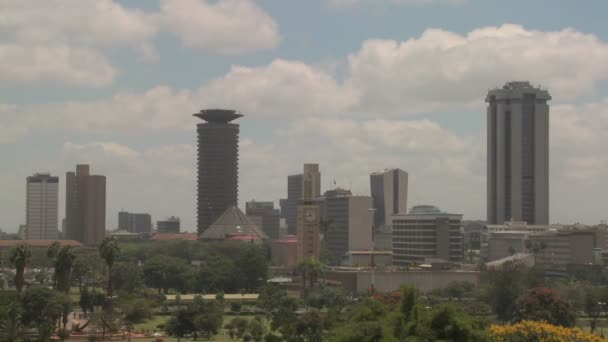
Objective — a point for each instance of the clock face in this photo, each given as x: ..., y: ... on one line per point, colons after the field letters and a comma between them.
x: 310, y: 215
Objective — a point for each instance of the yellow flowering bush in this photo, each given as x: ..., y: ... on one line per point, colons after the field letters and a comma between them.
x: 541, y: 332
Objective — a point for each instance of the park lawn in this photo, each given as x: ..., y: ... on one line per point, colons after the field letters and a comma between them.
x: 152, y: 324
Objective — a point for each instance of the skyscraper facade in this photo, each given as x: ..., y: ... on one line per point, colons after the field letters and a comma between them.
x: 289, y: 206
x: 218, y: 162
x: 134, y: 223
x: 518, y: 154
x: 389, y: 194
x: 85, y: 208
x: 42, y: 196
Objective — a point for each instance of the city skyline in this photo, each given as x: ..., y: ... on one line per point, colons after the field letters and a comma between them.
x: 360, y: 99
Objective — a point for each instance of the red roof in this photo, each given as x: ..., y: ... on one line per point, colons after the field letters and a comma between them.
x: 287, y: 239
x: 243, y: 237
x: 174, y: 236
x: 39, y: 243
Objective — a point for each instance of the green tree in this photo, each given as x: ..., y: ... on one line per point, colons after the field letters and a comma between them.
x: 20, y: 256
x: 164, y: 272
x: 218, y: 272
x: 11, y: 328
x: 127, y: 276
x: 42, y: 307
x: 86, y: 300
x: 256, y: 329
x: 51, y: 253
x: 253, y: 267
x: 544, y: 304
x: 198, y: 318
x: 109, y: 250
x: 310, y: 269
x: 593, y: 306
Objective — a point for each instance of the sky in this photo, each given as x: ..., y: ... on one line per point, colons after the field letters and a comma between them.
x: 354, y: 85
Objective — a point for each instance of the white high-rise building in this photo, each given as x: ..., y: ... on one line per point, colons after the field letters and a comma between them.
x: 389, y: 194
x: 42, y: 207
x: 518, y: 154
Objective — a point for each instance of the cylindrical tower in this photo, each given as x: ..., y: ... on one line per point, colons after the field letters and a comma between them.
x: 218, y: 164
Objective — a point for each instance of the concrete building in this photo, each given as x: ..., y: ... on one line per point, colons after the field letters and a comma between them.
x: 355, y: 280
x: 309, y: 214
x: 557, y: 250
x: 289, y: 205
x: 518, y: 154
x: 426, y: 232
x: 472, y: 234
x: 389, y: 194
x: 170, y: 225
x: 85, y: 209
x: 41, y: 207
x: 284, y: 251
x: 502, y: 240
x: 233, y: 224
x: 265, y: 216
x: 134, y: 223
x: 218, y: 163
x: 351, y: 225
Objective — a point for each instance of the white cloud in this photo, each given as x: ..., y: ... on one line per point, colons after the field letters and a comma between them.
x: 91, y: 22
x: 281, y: 89
x: 224, y: 26
x: 41, y: 64
x: 442, y: 69
x: 351, y: 3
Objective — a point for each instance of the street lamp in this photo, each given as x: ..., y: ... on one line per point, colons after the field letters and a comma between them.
x: 373, y: 264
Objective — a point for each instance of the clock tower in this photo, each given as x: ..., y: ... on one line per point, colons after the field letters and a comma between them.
x: 309, y: 213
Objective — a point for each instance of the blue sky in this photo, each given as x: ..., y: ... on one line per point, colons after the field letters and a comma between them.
x: 356, y: 85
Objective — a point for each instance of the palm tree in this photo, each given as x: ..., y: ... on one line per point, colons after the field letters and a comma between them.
x: 20, y: 256
x: 109, y: 251
x: 62, y: 262
x: 311, y: 268
x: 51, y: 253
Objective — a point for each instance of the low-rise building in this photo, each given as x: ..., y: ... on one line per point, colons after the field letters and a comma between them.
x: 170, y: 225
x: 426, y: 232
x: 284, y: 251
x: 265, y: 216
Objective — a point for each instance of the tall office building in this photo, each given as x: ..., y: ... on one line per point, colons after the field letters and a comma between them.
x: 85, y: 206
x: 218, y: 163
x: 351, y: 224
x: 309, y: 213
x: 389, y: 194
x: 41, y: 207
x: 134, y: 223
x: 289, y: 206
x: 426, y: 232
x: 518, y: 154
x: 265, y: 216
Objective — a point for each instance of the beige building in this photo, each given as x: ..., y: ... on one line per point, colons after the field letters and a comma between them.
x: 284, y: 251
x: 502, y: 240
x: 426, y: 232
x: 85, y: 206
x: 309, y: 215
x: 355, y: 280
x: 41, y: 208
x: 518, y: 154
x: 351, y: 225
x: 556, y: 250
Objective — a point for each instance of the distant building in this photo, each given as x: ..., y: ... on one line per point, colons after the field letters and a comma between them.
x: 389, y: 194
x: 289, y: 206
x: 218, y: 164
x: 174, y: 236
x: 284, y: 251
x: 41, y: 213
x: 472, y: 234
x: 499, y: 241
x: 309, y: 214
x: 426, y: 232
x: 557, y: 250
x: 267, y: 217
x: 9, y: 244
x: 170, y: 225
x: 351, y: 224
x: 85, y: 210
x: 233, y: 224
x: 518, y: 154
x: 134, y: 223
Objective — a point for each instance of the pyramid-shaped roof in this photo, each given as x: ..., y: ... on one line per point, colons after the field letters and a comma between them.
x: 231, y: 223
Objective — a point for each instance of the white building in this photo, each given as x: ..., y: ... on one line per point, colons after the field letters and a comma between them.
x: 42, y: 207
x: 501, y: 240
